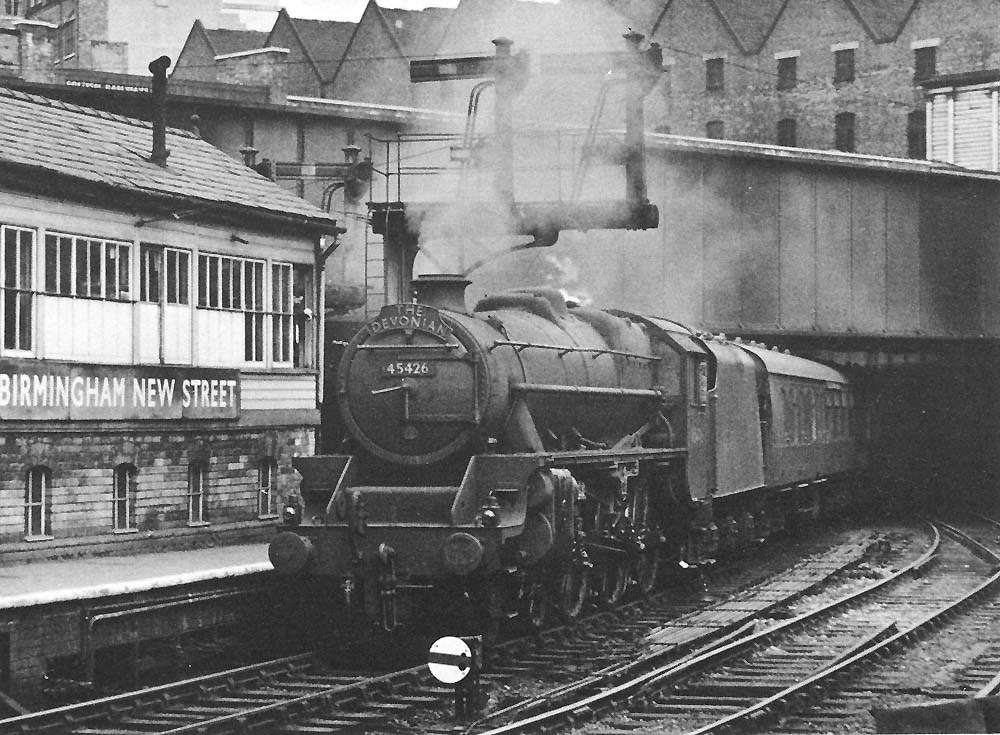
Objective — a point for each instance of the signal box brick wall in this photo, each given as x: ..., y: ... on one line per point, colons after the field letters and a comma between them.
x: 82, y: 468
x: 881, y: 95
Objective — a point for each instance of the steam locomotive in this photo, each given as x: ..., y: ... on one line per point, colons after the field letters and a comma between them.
x: 533, y: 456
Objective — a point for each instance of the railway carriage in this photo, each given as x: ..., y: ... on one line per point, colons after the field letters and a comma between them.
x: 530, y: 456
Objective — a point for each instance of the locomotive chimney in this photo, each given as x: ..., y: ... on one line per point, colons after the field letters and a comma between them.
x: 159, y: 88
x: 441, y: 290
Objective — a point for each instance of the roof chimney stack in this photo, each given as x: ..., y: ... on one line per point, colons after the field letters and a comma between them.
x: 159, y: 69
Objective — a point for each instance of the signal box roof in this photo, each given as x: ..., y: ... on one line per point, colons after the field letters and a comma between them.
x: 80, y: 151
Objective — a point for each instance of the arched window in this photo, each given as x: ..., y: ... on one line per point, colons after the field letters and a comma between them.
x: 123, y: 498
x: 197, y: 489
x: 37, y: 502
x: 267, y: 490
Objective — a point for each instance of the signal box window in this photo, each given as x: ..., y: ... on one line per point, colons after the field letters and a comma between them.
x: 844, y: 129
x: 84, y: 267
x: 123, y: 498
x: 715, y: 80
x: 18, y: 247
x: 787, y: 72
x: 843, y: 65
x: 924, y: 63
x: 197, y: 490
x: 787, y: 131
x: 164, y: 272
x: 267, y: 495
x: 715, y: 129
x: 37, y: 503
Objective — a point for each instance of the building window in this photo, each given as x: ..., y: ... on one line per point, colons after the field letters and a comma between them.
x: 924, y: 63
x: 235, y: 284
x: 787, y: 131
x: 787, y: 72
x: 715, y: 129
x: 916, y: 134
x: 267, y: 494
x: 12, y: 7
x: 66, y: 39
x: 37, y: 502
x: 715, y: 80
x: 843, y: 65
x: 18, y: 245
x: 197, y: 488
x: 844, y: 127
x: 123, y: 498
x: 281, y: 309
x: 84, y: 267
x: 165, y: 271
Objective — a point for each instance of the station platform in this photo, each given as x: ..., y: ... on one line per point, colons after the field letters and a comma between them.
x: 67, y: 580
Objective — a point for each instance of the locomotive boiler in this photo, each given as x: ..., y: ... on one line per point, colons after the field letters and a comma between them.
x: 531, y: 455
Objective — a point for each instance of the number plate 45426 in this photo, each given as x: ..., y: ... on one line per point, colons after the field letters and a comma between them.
x: 408, y: 369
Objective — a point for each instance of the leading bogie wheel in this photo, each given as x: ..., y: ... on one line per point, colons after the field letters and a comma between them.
x: 571, y: 589
x: 611, y: 580
x: 647, y: 569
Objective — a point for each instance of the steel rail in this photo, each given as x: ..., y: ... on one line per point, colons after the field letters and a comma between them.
x: 80, y: 712
x: 702, y: 658
x: 811, y: 684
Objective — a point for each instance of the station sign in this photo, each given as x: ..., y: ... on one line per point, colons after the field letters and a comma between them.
x: 51, y: 391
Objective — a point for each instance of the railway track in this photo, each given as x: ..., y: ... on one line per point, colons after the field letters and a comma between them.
x: 301, y: 694
x: 757, y: 679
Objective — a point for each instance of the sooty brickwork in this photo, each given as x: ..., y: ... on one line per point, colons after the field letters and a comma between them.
x: 174, y: 488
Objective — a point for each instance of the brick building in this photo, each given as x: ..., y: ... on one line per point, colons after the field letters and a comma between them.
x: 159, y: 360
x: 840, y: 74
x: 120, y: 35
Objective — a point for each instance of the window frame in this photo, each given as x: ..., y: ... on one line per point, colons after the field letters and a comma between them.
x: 163, y: 282
x: 844, y: 65
x: 783, y: 137
x: 234, y: 283
x: 84, y: 269
x: 267, y: 495
x: 197, y: 490
x: 787, y: 78
x: 43, y: 504
x: 23, y: 289
x: 924, y: 62
x: 124, y: 491
x: 845, y: 132
x: 715, y: 74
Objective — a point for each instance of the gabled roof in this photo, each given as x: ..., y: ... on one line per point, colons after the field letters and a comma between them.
x: 883, y: 20
x: 324, y: 42
x: 109, y: 153
x: 418, y: 32
x: 750, y: 22
x: 571, y: 26
x: 227, y: 41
